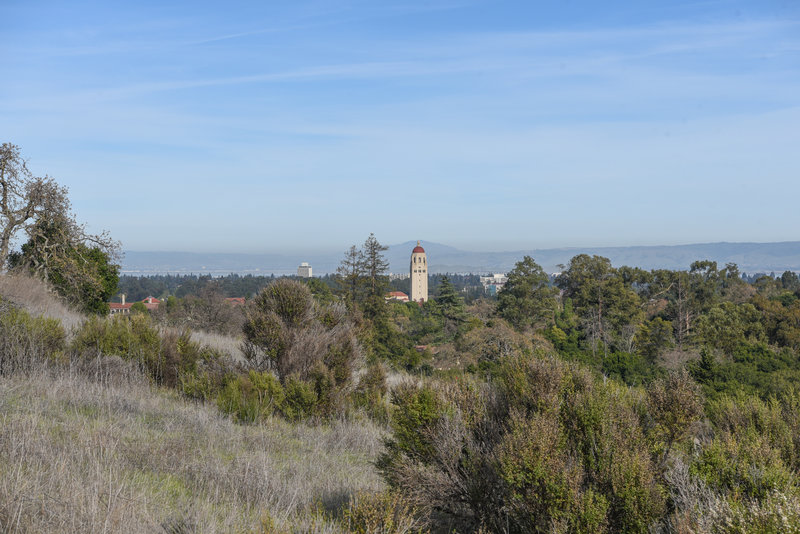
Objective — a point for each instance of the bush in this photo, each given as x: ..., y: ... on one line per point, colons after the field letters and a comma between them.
x: 756, y: 447
x: 386, y: 512
x: 312, y: 349
x: 251, y: 397
x: 171, y: 358
x: 370, y: 392
x: 543, y: 446
x: 300, y: 401
x: 27, y: 342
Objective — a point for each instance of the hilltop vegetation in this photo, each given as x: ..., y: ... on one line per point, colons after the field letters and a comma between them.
x: 611, y: 399
x: 695, y: 430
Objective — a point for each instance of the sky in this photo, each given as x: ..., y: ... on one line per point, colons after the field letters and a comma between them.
x: 486, y: 125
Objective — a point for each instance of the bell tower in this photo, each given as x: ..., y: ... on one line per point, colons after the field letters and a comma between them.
x: 419, y: 274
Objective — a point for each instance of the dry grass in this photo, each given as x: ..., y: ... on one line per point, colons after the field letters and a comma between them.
x: 38, y: 299
x: 89, y: 455
x: 227, y: 344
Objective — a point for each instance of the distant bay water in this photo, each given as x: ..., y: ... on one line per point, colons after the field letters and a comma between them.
x: 750, y: 257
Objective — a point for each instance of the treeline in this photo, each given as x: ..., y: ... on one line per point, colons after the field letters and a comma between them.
x: 180, y: 285
x: 235, y: 285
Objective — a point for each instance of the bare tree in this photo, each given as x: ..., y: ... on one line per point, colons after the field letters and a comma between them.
x: 24, y: 198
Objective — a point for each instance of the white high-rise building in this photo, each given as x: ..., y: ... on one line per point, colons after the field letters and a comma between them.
x: 419, y: 274
x: 304, y: 271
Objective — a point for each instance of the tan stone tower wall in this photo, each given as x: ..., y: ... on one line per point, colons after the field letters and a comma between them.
x: 419, y: 274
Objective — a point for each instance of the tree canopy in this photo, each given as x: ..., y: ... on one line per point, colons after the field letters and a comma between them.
x: 81, y: 266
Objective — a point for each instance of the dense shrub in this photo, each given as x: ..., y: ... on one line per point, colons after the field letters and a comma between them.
x: 385, y: 513
x: 543, y: 446
x: 170, y: 358
x: 27, y: 341
x: 755, y: 449
x: 312, y: 348
x: 370, y: 393
x: 251, y: 397
x: 301, y: 399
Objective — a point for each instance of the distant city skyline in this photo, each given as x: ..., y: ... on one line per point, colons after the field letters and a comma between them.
x: 490, y: 126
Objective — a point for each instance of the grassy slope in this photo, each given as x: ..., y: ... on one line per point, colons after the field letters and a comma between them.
x: 82, y: 456
x: 84, y: 449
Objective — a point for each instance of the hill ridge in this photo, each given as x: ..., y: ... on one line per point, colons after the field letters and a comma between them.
x: 751, y: 257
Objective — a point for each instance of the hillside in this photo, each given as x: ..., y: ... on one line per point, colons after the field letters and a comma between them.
x: 93, y: 445
x: 79, y: 455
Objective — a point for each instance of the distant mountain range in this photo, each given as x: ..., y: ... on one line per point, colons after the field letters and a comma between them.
x: 750, y: 257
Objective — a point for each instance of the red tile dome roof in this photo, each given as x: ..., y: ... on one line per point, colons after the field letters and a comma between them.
x: 418, y: 249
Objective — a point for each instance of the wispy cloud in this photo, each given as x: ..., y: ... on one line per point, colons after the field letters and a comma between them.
x: 516, y: 125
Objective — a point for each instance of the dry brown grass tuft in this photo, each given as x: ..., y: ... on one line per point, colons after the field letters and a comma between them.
x: 38, y: 299
x: 101, y: 454
x: 227, y: 344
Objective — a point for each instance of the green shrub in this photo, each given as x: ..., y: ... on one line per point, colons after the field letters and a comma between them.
x: 139, y: 308
x: 412, y: 423
x: 199, y: 385
x: 251, y: 397
x: 755, y: 449
x: 312, y: 348
x: 300, y: 399
x: 171, y: 358
x: 386, y: 512
x: 132, y: 338
x: 27, y: 341
x: 544, y: 446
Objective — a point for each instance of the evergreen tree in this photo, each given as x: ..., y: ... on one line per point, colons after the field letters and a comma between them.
x: 350, y: 274
x: 601, y: 298
x: 527, y: 299
x: 450, y: 304
x: 375, y: 266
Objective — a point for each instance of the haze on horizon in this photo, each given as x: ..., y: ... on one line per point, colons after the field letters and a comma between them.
x: 254, y: 127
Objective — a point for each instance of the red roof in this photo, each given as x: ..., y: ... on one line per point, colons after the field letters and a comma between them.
x: 397, y: 294
x: 418, y: 249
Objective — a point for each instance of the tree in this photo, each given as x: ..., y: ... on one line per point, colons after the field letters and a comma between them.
x: 705, y: 281
x: 601, y: 298
x: 451, y: 305
x: 653, y: 337
x: 24, y: 198
x: 790, y: 281
x: 375, y: 266
x: 448, y: 306
x: 80, y: 266
x: 527, y: 298
x: 350, y: 274
x: 59, y: 250
x: 139, y: 307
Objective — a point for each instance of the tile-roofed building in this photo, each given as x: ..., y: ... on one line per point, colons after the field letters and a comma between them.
x: 397, y: 295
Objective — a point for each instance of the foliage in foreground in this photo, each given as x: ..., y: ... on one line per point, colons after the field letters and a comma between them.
x: 104, y: 451
x: 546, y: 446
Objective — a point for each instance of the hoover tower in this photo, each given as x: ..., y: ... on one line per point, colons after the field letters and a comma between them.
x: 419, y: 274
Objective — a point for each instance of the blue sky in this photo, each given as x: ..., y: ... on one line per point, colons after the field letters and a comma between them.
x: 306, y: 125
